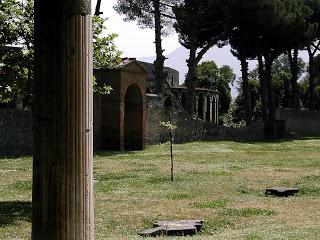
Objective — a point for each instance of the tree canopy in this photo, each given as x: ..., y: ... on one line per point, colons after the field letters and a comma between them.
x: 17, y: 53
x: 210, y: 76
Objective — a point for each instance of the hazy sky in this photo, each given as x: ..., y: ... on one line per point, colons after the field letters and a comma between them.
x: 132, y: 40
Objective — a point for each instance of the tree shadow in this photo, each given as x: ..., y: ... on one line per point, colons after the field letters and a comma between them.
x: 102, y: 153
x: 14, y: 154
x: 282, y: 140
x: 13, y: 211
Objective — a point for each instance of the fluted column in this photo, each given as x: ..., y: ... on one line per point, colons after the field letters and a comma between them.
x: 204, y: 108
x: 63, y: 147
x: 216, y: 109
x: 211, y: 108
x: 197, y: 107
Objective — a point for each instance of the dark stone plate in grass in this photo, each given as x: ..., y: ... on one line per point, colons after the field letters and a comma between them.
x: 281, y: 191
x: 173, y: 228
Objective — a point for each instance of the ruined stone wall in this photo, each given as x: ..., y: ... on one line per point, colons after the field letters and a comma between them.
x: 189, y: 129
x: 303, y: 122
x: 15, y: 132
x: 16, y: 129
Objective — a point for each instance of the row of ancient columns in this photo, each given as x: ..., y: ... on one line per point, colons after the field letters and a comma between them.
x: 213, y: 109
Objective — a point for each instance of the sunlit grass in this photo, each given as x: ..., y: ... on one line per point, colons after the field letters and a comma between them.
x: 222, y: 183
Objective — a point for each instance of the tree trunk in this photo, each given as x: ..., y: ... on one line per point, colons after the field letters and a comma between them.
x: 312, y: 103
x: 246, y: 90
x: 97, y: 10
x: 263, y: 90
x: 159, y: 62
x: 271, y: 120
x: 271, y: 94
x: 62, y: 164
x: 293, y: 59
x: 191, y: 81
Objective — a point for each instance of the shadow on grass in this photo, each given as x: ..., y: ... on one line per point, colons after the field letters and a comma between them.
x: 102, y: 153
x: 14, y: 154
x: 10, y: 212
x: 280, y: 140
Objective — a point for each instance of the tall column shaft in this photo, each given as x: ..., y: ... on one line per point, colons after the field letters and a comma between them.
x: 205, y: 109
x: 217, y: 110
x: 197, y: 107
x: 63, y: 123
x: 211, y: 110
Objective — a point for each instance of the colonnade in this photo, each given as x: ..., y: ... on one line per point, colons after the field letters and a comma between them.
x: 206, y: 103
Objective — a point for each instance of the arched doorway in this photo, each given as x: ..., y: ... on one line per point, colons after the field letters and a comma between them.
x: 200, y: 106
x: 209, y: 110
x: 133, y: 119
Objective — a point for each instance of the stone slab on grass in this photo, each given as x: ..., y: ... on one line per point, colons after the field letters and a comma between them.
x: 281, y: 191
x: 173, y: 228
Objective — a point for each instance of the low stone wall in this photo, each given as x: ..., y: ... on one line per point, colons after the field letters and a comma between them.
x: 15, y: 132
x: 189, y: 129
x: 16, y: 129
x: 303, y: 122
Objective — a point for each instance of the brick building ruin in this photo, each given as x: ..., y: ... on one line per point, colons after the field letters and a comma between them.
x: 120, y: 117
x: 206, y: 102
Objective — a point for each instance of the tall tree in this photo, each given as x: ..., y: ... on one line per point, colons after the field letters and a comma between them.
x: 313, y: 49
x: 16, y: 50
x: 243, y: 39
x: 153, y: 14
x: 286, y: 30
x: 200, y: 25
x: 303, y: 30
x: 105, y: 52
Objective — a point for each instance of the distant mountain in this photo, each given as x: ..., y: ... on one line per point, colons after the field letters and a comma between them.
x: 222, y: 56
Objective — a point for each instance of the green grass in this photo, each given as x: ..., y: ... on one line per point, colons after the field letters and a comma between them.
x: 222, y: 183
x: 219, y: 203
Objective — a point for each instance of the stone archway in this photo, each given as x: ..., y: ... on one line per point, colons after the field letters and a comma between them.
x: 200, y: 106
x: 133, y: 119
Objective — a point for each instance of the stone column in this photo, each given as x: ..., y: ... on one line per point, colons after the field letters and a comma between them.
x: 197, y: 107
x: 211, y: 108
x: 204, y: 108
x: 63, y: 146
x: 217, y: 109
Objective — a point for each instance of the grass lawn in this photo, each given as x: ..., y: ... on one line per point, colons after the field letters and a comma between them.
x: 222, y: 183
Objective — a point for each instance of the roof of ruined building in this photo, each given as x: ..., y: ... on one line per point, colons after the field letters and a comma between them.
x: 129, y: 61
x: 124, y: 64
x: 181, y: 87
x: 150, y: 67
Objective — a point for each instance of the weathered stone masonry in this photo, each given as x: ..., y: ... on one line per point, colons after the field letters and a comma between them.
x: 120, y: 117
x: 189, y: 129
